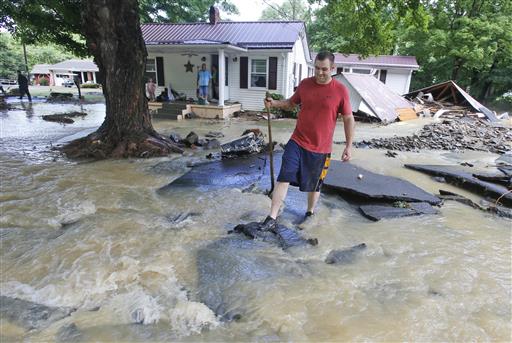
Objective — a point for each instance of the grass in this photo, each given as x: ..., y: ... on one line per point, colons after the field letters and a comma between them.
x: 89, y: 94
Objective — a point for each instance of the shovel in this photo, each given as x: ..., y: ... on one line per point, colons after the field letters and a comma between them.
x: 270, y: 149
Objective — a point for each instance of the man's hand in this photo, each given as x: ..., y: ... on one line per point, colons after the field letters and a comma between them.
x: 347, y: 154
x: 348, y: 125
x: 269, y: 102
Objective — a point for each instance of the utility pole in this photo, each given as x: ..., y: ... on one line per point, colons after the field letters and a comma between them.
x: 25, y: 55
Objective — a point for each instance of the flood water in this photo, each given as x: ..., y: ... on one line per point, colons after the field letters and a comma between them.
x: 98, y: 237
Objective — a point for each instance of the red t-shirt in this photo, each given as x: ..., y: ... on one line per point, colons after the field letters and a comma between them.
x: 320, y: 105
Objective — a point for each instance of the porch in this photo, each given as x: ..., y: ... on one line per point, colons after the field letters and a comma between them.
x: 180, y: 110
x: 177, y: 65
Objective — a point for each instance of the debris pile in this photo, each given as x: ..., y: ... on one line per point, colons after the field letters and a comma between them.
x: 251, y: 142
x: 465, y: 134
x: 64, y: 118
x: 60, y: 97
x: 448, y: 97
x: 193, y: 141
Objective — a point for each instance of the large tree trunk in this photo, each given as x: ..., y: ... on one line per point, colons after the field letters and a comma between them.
x: 114, y: 38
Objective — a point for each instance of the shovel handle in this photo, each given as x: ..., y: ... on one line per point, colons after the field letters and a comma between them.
x: 270, y: 147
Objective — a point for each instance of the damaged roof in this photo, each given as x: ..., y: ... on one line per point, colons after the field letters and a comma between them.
x: 376, y: 99
x: 451, y: 92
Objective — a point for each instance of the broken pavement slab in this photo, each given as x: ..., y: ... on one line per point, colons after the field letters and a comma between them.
x: 241, y: 172
x: 31, y: 315
x: 458, y: 176
x: 500, y: 178
x: 344, y: 177
x: 253, y: 171
x: 233, y: 268
x: 499, y: 210
x: 345, y: 256
x: 378, y: 212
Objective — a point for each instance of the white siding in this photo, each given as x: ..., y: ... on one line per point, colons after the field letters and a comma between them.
x: 252, y: 98
x: 398, y: 80
x: 296, y: 56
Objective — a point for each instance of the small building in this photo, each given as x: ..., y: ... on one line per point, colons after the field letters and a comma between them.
x: 249, y: 58
x: 394, y: 71
x: 58, y: 73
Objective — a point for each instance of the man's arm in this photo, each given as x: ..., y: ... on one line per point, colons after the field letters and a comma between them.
x: 348, y: 125
x: 283, y: 104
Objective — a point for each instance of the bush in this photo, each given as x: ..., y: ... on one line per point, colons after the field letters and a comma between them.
x: 44, y: 81
x: 90, y: 85
x: 279, y: 113
x: 503, y: 102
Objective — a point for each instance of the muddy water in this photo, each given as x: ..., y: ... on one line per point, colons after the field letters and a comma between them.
x: 99, y: 238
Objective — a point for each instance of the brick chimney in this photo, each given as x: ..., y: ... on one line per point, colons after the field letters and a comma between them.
x: 214, y: 15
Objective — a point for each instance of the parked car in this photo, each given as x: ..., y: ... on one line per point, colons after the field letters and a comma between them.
x: 68, y: 83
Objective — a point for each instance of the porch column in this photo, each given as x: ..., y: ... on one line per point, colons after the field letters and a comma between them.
x: 222, y: 79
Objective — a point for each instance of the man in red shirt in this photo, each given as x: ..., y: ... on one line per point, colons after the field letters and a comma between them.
x: 307, y: 154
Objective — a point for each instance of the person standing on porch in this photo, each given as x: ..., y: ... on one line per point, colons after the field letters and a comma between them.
x: 307, y: 154
x: 215, y: 82
x: 151, y: 89
x: 203, y: 82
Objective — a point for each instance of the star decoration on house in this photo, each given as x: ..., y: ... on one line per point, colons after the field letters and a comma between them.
x: 189, y: 67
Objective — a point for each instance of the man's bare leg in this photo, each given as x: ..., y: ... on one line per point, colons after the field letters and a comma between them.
x: 312, y: 200
x: 278, y: 196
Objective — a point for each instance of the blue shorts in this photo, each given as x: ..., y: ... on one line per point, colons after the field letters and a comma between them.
x: 203, y: 91
x: 303, y: 168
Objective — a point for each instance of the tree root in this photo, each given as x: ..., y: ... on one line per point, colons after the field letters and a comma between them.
x: 100, y: 147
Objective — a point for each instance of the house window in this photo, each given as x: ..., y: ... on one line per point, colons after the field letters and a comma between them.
x: 361, y: 71
x: 346, y: 70
x: 383, y: 74
x: 258, y: 73
x: 150, y: 70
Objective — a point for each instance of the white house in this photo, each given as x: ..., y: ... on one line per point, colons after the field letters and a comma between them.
x: 251, y: 57
x: 394, y: 71
x: 60, y: 72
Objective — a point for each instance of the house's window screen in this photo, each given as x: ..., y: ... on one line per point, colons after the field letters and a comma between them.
x: 259, y: 73
x: 150, y: 70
